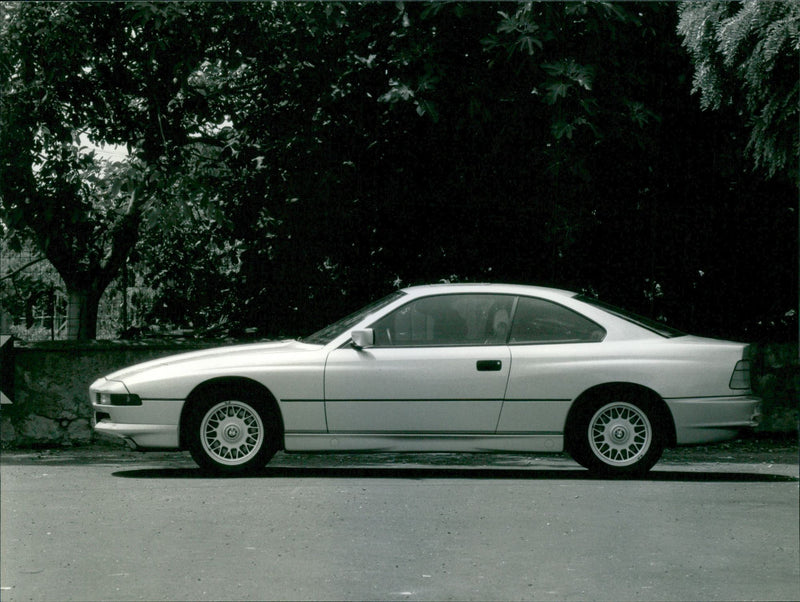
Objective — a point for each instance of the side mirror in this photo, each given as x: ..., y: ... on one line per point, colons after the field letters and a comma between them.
x: 363, y: 338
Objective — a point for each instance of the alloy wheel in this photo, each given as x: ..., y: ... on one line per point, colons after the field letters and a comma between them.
x: 620, y: 434
x: 232, y: 432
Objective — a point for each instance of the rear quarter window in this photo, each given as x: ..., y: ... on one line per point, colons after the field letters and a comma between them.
x: 540, y: 321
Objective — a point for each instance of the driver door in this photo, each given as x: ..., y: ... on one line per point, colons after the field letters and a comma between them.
x: 439, y: 365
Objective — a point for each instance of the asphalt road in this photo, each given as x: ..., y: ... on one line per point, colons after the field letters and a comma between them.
x: 109, y: 524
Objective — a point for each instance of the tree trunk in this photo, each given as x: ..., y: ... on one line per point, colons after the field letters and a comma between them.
x: 82, y: 311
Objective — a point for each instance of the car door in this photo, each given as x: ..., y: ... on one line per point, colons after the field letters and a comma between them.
x: 439, y: 364
x: 554, y: 351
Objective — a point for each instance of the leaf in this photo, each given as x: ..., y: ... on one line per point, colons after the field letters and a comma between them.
x: 427, y: 107
x: 562, y: 129
x: 555, y: 91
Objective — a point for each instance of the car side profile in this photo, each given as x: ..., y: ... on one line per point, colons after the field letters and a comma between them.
x: 444, y: 368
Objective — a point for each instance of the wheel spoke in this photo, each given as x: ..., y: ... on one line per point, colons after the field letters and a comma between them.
x: 620, y: 434
x: 232, y: 432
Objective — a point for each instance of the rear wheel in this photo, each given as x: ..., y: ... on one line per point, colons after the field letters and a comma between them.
x: 231, y: 432
x: 617, y: 435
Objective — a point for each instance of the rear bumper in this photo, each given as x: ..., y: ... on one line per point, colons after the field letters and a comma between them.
x: 711, y: 419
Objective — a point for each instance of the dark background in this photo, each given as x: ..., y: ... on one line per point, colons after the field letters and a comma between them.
x: 290, y: 162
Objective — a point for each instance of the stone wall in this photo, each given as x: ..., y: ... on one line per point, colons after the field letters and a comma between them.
x: 51, y: 380
x: 51, y: 387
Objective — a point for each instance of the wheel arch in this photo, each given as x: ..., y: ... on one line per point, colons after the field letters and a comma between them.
x: 622, y: 389
x: 240, y: 384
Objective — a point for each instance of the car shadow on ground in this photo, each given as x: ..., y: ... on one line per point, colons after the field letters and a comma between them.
x: 416, y: 473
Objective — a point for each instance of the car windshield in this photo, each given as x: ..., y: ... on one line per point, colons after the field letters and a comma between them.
x: 330, y: 332
x: 649, y: 324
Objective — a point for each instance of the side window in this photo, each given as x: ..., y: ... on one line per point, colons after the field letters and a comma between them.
x: 540, y: 321
x: 468, y: 319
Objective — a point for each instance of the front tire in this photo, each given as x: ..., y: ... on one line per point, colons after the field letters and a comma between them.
x: 230, y: 433
x: 617, y: 436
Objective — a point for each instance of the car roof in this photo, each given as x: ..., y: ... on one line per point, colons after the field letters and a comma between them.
x: 618, y: 327
x: 487, y: 287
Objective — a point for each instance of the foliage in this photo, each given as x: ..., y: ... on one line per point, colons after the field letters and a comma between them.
x: 118, y: 74
x: 746, y: 56
x: 289, y: 161
x: 393, y: 135
x: 27, y: 283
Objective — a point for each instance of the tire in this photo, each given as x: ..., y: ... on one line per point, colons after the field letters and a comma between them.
x: 231, y: 432
x: 618, y: 435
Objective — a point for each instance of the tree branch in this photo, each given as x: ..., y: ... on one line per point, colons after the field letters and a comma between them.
x: 18, y: 270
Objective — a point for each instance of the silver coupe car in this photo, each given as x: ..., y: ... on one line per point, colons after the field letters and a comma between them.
x: 444, y: 368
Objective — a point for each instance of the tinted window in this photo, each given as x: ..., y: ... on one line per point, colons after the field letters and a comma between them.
x: 540, y: 321
x: 447, y: 320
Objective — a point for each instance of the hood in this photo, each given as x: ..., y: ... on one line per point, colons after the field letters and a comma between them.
x: 220, y: 357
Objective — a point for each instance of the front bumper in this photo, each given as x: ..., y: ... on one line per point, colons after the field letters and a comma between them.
x: 150, y: 424
x: 712, y: 419
x: 139, y: 436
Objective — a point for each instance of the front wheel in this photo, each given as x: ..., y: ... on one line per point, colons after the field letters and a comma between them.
x: 616, y: 437
x: 230, y: 433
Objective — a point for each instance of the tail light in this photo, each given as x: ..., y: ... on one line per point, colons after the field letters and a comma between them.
x: 740, y: 379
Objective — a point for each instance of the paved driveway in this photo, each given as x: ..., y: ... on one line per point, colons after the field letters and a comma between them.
x: 108, y: 524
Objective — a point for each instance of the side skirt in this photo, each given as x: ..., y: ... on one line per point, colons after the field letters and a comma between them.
x: 417, y: 443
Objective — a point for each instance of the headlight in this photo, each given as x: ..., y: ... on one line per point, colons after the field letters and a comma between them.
x: 114, y: 393
x: 118, y: 399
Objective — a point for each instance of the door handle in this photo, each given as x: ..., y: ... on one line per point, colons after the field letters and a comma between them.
x: 489, y: 365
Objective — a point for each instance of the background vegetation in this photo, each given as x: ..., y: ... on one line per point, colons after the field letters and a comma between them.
x: 286, y: 162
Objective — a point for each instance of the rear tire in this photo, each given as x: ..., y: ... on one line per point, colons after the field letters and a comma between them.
x: 231, y: 432
x: 617, y: 435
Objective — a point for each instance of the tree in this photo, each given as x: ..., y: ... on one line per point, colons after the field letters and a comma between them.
x: 118, y: 74
x: 377, y: 143
x: 746, y: 56
x: 291, y: 160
